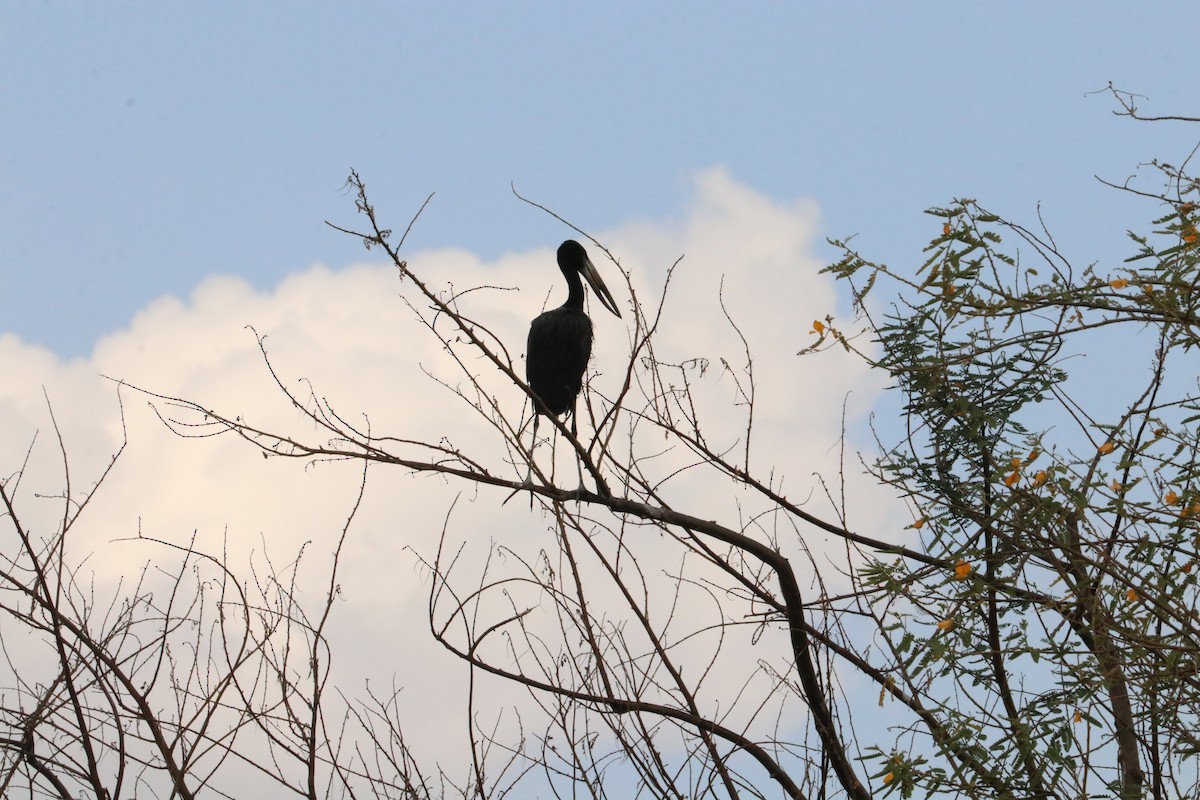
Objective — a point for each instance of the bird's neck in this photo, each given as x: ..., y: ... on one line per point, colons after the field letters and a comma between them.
x: 575, y: 290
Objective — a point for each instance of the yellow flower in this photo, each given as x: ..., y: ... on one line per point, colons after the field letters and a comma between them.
x: 1015, y: 463
x: 1188, y: 566
x: 945, y: 232
x: 919, y: 524
x: 891, y: 776
x: 1189, y: 235
x: 1119, y: 283
x: 1132, y: 596
x: 1078, y: 716
x: 947, y: 624
x: 818, y: 326
x: 1033, y: 456
x: 1011, y: 478
x: 1107, y: 447
x: 1148, y: 288
x: 961, y: 570
x: 1116, y: 485
x: 1039, y: 478
x: 1171, y: 498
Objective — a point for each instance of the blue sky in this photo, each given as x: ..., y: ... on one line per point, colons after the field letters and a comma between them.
x: 145, y: 146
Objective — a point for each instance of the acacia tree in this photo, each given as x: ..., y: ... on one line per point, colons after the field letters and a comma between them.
x: 1063, y: 642
x: 1033, y: 636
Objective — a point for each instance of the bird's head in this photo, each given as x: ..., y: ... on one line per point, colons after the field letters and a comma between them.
x: 573, y: 258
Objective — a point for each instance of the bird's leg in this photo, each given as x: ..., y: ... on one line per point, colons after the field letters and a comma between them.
x: 578, y: 460
x: 532, y: 450
x: 533, y: 445
x: 528, y: 482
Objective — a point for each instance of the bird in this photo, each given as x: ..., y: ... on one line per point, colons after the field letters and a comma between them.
x: 560, y: 340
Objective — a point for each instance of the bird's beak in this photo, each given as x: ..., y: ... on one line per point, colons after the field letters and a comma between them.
x: 597, y: 284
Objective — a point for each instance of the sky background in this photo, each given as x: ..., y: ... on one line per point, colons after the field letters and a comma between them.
x: 166, y: 171
x: 145, y: 146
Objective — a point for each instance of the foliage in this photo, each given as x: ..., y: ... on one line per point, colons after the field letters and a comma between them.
x: 1064, y: 642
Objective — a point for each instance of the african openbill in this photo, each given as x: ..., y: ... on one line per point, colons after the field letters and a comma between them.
x: 560, y: 340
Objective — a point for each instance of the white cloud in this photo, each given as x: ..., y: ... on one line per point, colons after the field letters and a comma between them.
x: 348, y: 333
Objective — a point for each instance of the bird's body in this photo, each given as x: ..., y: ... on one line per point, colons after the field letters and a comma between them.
x: 557, y: 353
x: 560, y: 340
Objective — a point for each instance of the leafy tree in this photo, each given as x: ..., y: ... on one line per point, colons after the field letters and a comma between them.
x: 1055, y: 642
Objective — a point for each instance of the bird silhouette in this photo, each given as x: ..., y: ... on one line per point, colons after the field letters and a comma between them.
x: 560, y: 340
